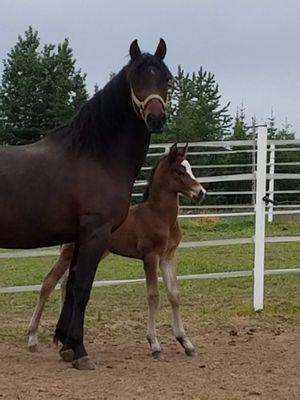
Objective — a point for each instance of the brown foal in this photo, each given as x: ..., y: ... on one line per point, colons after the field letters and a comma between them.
x: 150, y: 233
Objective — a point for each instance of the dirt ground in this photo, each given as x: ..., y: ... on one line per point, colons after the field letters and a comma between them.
x: 241, y: 362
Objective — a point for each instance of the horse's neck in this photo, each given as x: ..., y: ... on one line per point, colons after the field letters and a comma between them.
x: 126, y: 138
x: 165, y: 203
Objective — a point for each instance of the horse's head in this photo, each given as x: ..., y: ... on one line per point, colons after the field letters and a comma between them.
x: 178, y: 174
x: 149, y: 80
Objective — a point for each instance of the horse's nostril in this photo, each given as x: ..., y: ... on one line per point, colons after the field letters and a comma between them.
x: 150, y: 118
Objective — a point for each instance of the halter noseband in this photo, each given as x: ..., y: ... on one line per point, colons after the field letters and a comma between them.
x: 141, y: 105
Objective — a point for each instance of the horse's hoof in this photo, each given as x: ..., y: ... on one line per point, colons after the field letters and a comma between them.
x: 33, y: 348
x: 67, y: 355
x: 33, y: 343
x: 190, y: 351
x: 84, y: 364
x: 156, y: 354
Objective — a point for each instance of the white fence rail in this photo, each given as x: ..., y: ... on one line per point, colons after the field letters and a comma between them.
x: 262, y: 169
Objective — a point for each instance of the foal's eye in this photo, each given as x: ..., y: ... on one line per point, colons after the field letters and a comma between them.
x: 180, y: 171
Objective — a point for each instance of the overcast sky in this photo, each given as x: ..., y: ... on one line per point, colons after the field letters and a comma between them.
x: 252, y: 46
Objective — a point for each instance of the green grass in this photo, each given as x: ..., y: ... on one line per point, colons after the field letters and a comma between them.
x: 31, y: 270
x: 123, y: 308
x: 236, y: 227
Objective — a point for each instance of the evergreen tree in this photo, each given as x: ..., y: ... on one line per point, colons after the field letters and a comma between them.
x: 196, y: 113
x: 271, y: 128
x: 239, y: 127
x: 96, y: 88
x: 285, y: 133
x: 19, y: 96
x: 39, y: 89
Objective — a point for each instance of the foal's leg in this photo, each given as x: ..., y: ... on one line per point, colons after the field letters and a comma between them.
x: 49, y: 283
x: 168, y: 270
x: 150, y: 266
x: 93, y: 242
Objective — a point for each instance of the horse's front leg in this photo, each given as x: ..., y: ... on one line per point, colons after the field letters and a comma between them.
x: 150, y: 267
x: 168, y: 270
x: 93, y: 243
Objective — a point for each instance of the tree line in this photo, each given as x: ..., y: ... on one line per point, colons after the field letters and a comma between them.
x: 41, y: 88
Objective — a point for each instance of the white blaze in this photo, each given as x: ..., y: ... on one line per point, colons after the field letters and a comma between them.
x: 188, y: 168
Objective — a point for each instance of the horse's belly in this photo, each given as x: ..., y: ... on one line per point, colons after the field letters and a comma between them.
x: 19, y: 231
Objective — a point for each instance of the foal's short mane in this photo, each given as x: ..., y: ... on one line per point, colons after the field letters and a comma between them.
x: 150, y: 180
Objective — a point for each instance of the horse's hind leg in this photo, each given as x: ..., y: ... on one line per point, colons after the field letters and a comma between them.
x: 168, y: 269
x: 48, y: 286
x: 150, y: 266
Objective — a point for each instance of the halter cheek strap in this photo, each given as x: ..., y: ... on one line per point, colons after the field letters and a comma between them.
x: 141, y: 105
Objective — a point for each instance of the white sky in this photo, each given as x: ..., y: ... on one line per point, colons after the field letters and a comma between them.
x: 252, y: 46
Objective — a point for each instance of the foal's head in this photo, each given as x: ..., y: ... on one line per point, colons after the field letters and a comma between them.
x: 149, y: 80
x: 176, y: 174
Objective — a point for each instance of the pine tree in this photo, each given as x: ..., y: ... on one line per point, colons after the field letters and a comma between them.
x: 96, y: 88
x: 196, y: 113
x: 239, y: 127
x: 285, y: 133
x: 271, y: 128
x: 39, y: 89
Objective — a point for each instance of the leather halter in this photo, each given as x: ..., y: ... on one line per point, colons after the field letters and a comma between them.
x: 139, y: 106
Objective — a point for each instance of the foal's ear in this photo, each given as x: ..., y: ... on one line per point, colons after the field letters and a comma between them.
x: 185, y: 149
x: 161, y: 49
x: 173, y: 152
x: 134, y: 50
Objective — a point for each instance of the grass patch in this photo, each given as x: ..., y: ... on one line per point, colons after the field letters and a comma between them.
x: 31, y: 270
x: 236, y: 227
x: 124, y: 308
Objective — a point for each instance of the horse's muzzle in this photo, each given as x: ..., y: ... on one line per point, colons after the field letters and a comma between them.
x: 200, y: 196
x: 155, y: 122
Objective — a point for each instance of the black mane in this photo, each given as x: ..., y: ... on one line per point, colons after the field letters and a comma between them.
x: 91, y: 128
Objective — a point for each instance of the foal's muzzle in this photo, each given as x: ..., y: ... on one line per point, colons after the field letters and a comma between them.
x: 199, y: 195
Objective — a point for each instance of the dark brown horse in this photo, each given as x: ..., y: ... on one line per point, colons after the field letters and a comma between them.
x: 150, y: 233
x: 75, y: 185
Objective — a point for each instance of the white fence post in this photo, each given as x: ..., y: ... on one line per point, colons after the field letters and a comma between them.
x: 259, y: 258
x: 271, y: 182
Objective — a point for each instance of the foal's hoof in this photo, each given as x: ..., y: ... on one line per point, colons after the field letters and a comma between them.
x: 33, y: 348
x: 187, y: 345
x: 190, y: 351
x: 67, y: 355
x: 84, y: 364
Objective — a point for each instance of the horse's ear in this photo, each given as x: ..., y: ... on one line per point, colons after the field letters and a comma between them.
x: 161, y: 49
x: 185, y: 149
x: 134, y: 50
x: 173, y: 152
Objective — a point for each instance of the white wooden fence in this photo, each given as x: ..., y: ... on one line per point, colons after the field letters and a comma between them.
x: 259, y: 177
